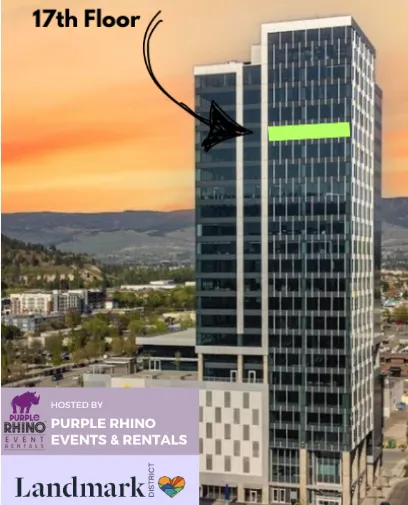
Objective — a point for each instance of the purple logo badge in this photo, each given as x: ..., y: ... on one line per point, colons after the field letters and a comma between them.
x: 24, y: 402
x: 24, y: 430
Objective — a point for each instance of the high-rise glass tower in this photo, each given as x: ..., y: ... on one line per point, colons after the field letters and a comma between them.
x: 288, y: 249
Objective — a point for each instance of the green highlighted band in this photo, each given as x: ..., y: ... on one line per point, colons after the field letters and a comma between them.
x: 308, y: 131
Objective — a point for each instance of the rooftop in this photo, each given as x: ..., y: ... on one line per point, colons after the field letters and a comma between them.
x: 173, y: 338
x: 162, y: 375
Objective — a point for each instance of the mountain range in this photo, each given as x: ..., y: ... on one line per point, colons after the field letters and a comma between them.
x: 151, y: 236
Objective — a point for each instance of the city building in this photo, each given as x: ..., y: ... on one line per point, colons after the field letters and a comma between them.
x: 66, y: 301
x: 233, y: 426
x: 61, y: 301
x: 288, y: 254
x: 5, y: 306
x: 152, y: 286
x: 394, y: 364
x: 31, y: 302
x: 94, y: 299
x: 30, y: 323
x: 111, y: 303
x: 288, y: 242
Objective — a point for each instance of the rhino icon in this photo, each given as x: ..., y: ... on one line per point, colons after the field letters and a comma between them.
x: 25, y: 402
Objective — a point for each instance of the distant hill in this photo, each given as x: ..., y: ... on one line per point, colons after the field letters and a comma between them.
x: 27, y: 264
x: 149, y: 236
x: 110, y: 236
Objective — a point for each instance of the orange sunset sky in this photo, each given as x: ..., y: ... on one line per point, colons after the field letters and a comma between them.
x: 85, y: 129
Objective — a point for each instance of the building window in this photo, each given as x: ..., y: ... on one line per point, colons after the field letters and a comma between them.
x: 255, y: 449
x: 285, y: 466
x: 278, y: 496
x: 218, y: 447
x: 217, y: 414
x: 236, y: 416
x: 209, y: 462
x: 227, y: 431
x: 201, y: 417
x: 246, y: 466
x: 208, y: 398
x: 200, y: 445
x: 227, y: 399
x: 237, y: 448
x: 245, y: 432
x: 328, y: 469
x: 208, y: 430
x: 227, y: 463
x: 255, y: 417
x: 246, y: 401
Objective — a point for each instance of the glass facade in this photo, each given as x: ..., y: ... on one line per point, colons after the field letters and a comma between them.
x: 309, y: 81
x: 216, y: 210
x: 289, y: 244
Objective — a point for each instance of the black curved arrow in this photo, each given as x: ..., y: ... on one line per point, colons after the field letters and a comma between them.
x: 222, y: 126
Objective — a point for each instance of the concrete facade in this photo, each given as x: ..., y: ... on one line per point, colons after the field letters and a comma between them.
x: 233, y: 432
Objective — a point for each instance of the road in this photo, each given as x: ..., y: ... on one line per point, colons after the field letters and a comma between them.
x: 68, y: 381
x: 391, y: 457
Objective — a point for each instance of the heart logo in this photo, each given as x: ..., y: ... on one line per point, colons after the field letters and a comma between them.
x: 171, y: 486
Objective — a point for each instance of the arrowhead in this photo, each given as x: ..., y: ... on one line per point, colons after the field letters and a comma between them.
x: 222, y: 127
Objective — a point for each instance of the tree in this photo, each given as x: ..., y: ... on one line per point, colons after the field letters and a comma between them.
x: 117, y: 346
x: 121, y: 324
x: 53, y: 345
x: 5, y: 370
x: 34, y: 261
x: 400, y: 314
x: 26, y: 356
x: 159, y: 327
x: 78, y: 355
x: 36, y: 352
x: 135, y: 327
x: 73, y: 319
x: 96, y: 328
x: 78, y: 340
x: 9, y: 332
x: 130, y: 347
x: 187, y: 322
x: 92, y: 349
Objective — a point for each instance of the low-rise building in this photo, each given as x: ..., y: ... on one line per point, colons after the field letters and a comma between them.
x: 233, y: 415
x: 234, y: 423
x: 39, y: 302
x: 394, y: 364
x: 111, y: 303
x: 29, y: 323
x: 31, y: 302
x: 173, y: 351
x: 66, y: 301
x: 5, y: 306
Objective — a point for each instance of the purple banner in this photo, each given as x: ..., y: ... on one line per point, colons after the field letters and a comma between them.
x: 120, y: 478
x: 53, y: 421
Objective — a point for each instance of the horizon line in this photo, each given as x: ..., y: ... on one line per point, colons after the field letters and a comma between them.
x: 100, y: 212
x: 131, y: 210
